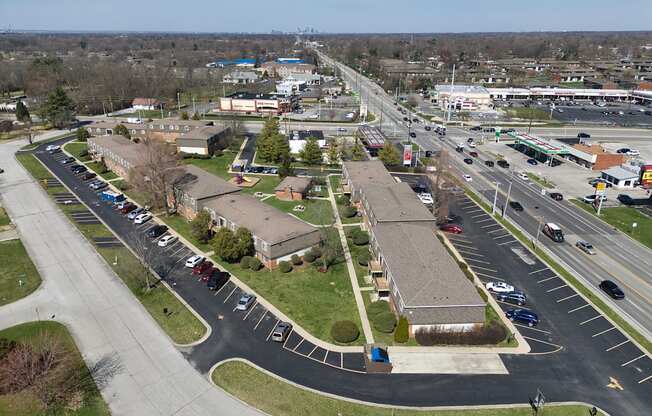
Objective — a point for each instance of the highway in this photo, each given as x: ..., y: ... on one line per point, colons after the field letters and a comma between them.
x: 619, y: 258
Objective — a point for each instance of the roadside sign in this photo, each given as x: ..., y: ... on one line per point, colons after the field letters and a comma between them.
x: 407, y: 154
x: 600, y: 186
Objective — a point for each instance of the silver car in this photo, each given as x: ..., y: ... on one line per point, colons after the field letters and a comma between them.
x: 585, y: 247
x: 245, y: 302
x: 281, y: 331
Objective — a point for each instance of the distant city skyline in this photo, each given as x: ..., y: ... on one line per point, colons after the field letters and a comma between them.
x: 327, y: 16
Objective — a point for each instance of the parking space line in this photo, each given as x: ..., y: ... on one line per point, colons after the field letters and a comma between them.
x: 497, y: 230
x: 567, y: 297
x: 459, y: 240
x: 220, y: 289
x: 532, y: 328
x: 577, y: 309
x: 489, y: 277
x: 556, y: 288
x: 603, y: 332
x: 463, y: 245
x: 490, y: 225
x: 546, y: 279
x: 472, y: 210
x: 635, y: 359
x: 470, y: 253
x: 485, y: 220
x: 483, y: 268
x: 341, y: 360
x: 502, y: 236
x: 645, y: 379
x: 325, y: 356
x: 297, y: 346
x: 227, y: 298
x: 617, y: 345
x: 250, y: 310
x: 313, y: 350
x: 542, y: 341
x: 591, y: 319
x: 272, y: 330
x: 260, y: 320
x: 478, y: 261
x: 537, y: 271
x: 479, y: 215
x: 508, y: 242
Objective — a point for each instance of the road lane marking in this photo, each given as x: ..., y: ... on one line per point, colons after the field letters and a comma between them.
x: 591, y: 319
x: 272, y: 330
x: 577, y: 309
x: 533, y: 328
x: 227, y: 298
x: 617, y: 345
x: 635, y: 359
x: 537, y: 271
x: 250, y: 310
x: 603, y: 332
x: 556, y: 288
x: 645, y: 379
x: 546, y: 279
x: 260, y: 320
x: 567, y: 297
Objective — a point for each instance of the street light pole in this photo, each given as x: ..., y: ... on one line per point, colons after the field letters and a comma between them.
x: 509, y: 191
x: 493, y: 208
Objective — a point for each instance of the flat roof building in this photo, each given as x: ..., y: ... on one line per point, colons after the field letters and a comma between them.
x: 461, y: 97
x: 244, y: 102
x: 372, y: 137
x: 203, y: 140
x: 620, y: 177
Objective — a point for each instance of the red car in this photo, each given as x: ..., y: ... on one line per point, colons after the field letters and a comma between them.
x: 202, y: 267
x: 206, y: 274
x: 127, y: 208
x: 473, y: 154
x: 451, y: 228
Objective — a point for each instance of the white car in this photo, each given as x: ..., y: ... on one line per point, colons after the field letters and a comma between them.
x: 195, y: 260
x: 426, y: 198
x: 167, y: 240
x: 499, y: 287
x: 143, y: 218
x: 467, y: 178
x: 472, y: 145
x: 589, y: 199
x: 523, y: 176
x: 52, y: 147
x: 633, y: 152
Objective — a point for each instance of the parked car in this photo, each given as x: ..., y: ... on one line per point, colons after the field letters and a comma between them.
x: 51, y: 147
x: 136, y: 212
x: 451, y: 228
x: 516, y: 206
x: 127, y: 208
x: 489, y: 130
x: 413, y: 134
x: 489, y: 163
x: 623, y: 150
x: 473, y: 154
x: 78, y: 169
x: 281, y: 331
x: 556, y: 196
x: 522, y: 315
x: 245, y: 302
x: 469, y: 140
x: 195, y: 260
x: 612, y: 289
x: 633, y: 152
x: 499, y: 287
x: 516, y: 298
x: 67, y: 160
x: 217, y: 280
x: 98, y: 185
x: 468, y: 161
x: 157, y: 231
x: 426, y: 198
x: 585, y: 247
x: 88, y: 176
x: 472, y: 145
x: 142, y: 218
x: 523, y: 176
x: 167, y: 240
x: 206, y: 274
x: 476, y: 128
x: 503, y: 164
x: 589, y: 199
x: 582, y: 135
x: 625, y: 199
x: 467, y: 178
x: 427, y: 128
x: 532, y: 162
x: 202, y: 267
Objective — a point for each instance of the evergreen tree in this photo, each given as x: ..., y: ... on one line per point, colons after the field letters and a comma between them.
x: 200, y: 226
x: 311, y: 153
x: 121, y: 130
x: 245, y: 242
x: 22, y: 114
x: 389, y: 155
x: 225, y: 245
x: 82, y: 134
x: 264, y: 143
x: 357, y: 152
x: 280, y: 148
x: 285, y: 169
x: 58, y: 109
x: 333, y: 153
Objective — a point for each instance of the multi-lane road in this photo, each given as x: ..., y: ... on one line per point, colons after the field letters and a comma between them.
x: 620, y: 258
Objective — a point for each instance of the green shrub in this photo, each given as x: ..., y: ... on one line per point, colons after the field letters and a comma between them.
x: 402, y: 333
x: 285, y: 267
x: 316, y: 251
x: 296, y: 260
x: 363, y: 259
x: 384, y: 322
x: 361, y: 238
x: 343, y: 200
x: 344, y: 332
x: 377, y: 308
x: 83, y: 153
x: 255, y: 264
x: 245, y: 262
x: 309, y: 257
x: 349, y: 212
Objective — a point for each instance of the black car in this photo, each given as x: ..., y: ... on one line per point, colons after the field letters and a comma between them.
x: 468, y: 161
x: 516, y: 298
x: 503, y: 164
x: 522, y: 315
x: 611, y: 289
x: 489, y: 130
x: 406, y: 119
x: 510, y: 130
x: 476, y: 128
x: 532, y: 162
x: 516, y: 206
x: 413, y: 134
x: 157, y: 231
x: 556, y: 196
x: 79, y: 169
x: 217, y: 280
x: 489, y: 163
x: 582, y: 135
x: 88, y: 175
x: 625, y: 199
x: 427, y: 128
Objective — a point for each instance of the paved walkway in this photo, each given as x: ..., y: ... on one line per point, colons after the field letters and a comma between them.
x: 104, y: 318
x: 362, y: 311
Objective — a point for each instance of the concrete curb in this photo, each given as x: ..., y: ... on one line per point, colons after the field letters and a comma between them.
x: 380, y: 405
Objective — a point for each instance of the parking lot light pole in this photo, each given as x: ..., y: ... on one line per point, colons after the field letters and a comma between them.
x: 493, y: 208
x: 509, y: 191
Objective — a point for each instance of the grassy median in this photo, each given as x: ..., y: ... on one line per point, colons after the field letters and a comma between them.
x: 24, y: 403
x: 277, y: 398
x: 4, y: 218
x: 18, y: 276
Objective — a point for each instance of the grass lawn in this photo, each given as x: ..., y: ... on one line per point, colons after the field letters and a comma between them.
x: 356, y: 251
x: 317, y: 212
x: 33, y: 166
x: 277, y: 398
x: 312, y: 299
x: 335, y: 181
x: 182, y: 226
x: 218, y: 165
x: 24, y: 404
x: 623, y: 218
x: 266, y: 184
x: 16, y: 265
x: 76, y: 148
x: 345, y: 220
x: 541, y: 181
x: 4, y: 218
x: 98, y: 167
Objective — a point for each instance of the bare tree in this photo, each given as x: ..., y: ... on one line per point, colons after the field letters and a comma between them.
x: 440, y: 193
x: 150, y: 259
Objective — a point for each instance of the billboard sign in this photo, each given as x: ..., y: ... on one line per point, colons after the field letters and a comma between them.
x: 600, y: 188
x: 646, y: 176
x: 407, y: 155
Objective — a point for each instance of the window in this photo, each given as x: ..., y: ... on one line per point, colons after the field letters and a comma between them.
x: 627, y: 183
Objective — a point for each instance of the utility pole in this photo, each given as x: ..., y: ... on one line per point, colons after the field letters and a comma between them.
x: 179, y: 102
x: 493, y: 208
x: 450, y: 97
x: 509, y: 191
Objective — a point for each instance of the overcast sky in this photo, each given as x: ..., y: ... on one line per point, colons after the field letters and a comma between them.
x: 406, y: 16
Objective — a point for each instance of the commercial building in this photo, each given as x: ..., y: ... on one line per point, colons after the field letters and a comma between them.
x: 558, y: 94
x: 372, y: 137
x: 119, y: 154
x: 277, y: 235
x: 241, y: 77
x: 167, y: 130
x: 249, y: 103
x: 283, y: 70
x: 308, y: 79
x: 411, y: 266
x: 290, y: 87
x: 402, y: 69
x: 203, y: 140
x: 620, y: 177
x: 293, y: 188
x: 461, y: 97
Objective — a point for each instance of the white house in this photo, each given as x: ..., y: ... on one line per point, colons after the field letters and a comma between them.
x: 146, y: 104
x: 620, y: 177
